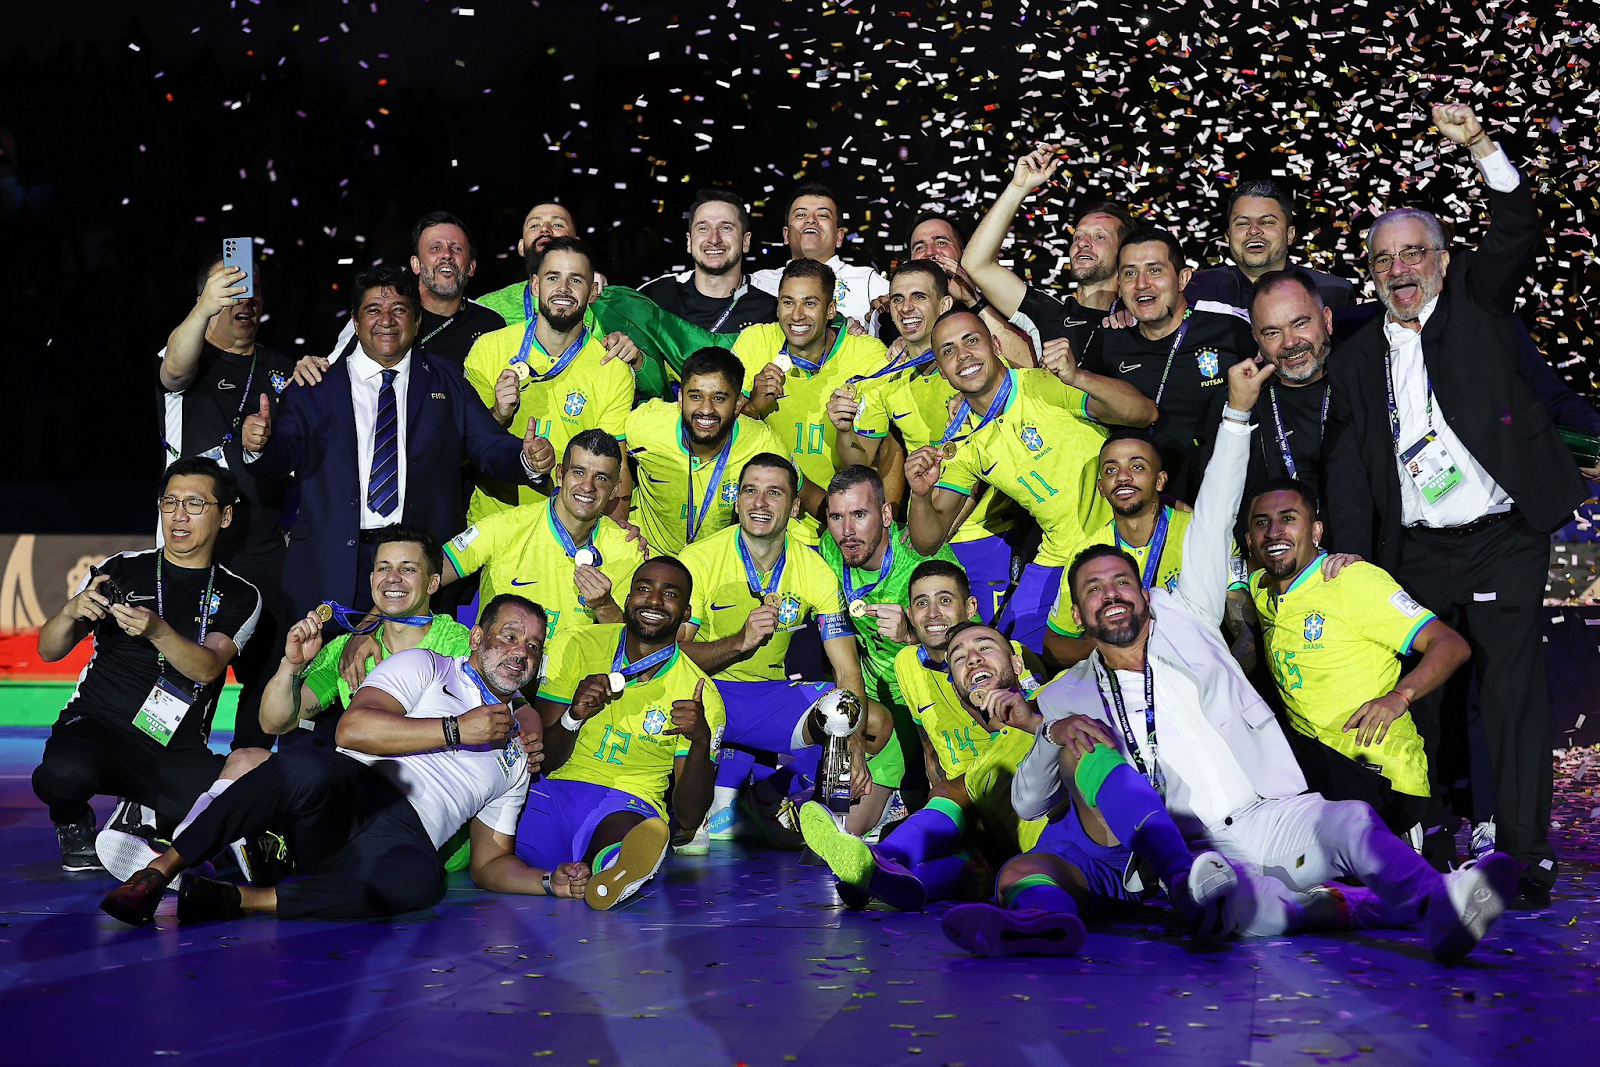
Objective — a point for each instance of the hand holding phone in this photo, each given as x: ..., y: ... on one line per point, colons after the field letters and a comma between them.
x: 239, y: 253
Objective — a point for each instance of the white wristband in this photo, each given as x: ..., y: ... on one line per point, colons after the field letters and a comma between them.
x: 569, y: 723
x: 1233, y: 414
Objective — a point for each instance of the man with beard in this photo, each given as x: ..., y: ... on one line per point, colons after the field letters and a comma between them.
x: 1091, y: 260
x: 1332, y: 643
x: 873, y: 559
x: 687, y: 455
x: 756, y: 585
x: 1033, y: 435
x: 428, y: 744
x: 715, y: 295
x: 1131, y: 480
x: 1176, y: 355
x: 549, y: 373
x: 383, y: 440
x: 1445, y: 471
x: 793, y: 366
x: 444, y: 258
x: 1161, y: 720
x: 937, y: 238
x: 1260, y: 231
x: 535, y: 545
x: 625, y: 714
x: 969, y: 771
x: 811, y: 230
x: 213, y: 373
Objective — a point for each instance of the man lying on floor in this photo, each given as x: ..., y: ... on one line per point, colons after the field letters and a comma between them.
x: 427, y: 744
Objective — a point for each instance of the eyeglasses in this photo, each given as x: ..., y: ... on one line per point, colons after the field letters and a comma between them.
x: 192, y: 505
x: 1410, y: 256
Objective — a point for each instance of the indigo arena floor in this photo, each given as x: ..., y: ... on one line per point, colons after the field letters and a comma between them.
x: 746, y: 956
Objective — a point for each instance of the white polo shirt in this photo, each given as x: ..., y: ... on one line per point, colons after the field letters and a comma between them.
x: 448, y: 786
x: 855, y: 286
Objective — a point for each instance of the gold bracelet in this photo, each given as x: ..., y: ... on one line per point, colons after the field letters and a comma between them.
x: 1481, y: 135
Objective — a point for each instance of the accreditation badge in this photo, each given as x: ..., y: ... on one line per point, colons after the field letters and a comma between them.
x: 163, y: 711
x: 1431, y: 468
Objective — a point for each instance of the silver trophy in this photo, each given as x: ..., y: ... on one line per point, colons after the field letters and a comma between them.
x: 841, y: 714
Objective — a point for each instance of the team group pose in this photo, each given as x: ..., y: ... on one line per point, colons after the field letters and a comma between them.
x: 1051, y: 605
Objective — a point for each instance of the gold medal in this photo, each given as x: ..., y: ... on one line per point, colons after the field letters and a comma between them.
x: 858, y: 607
x: 520, y: 369
x: 617, y: 682
x: 325, y: 612
x: 975, y: 698
x: 584, y: 557
x: 783, y: 362
x: 772, y: 600
x: 948, y: 450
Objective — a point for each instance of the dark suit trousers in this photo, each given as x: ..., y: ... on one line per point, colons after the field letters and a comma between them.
x: 1489, y: 586
x: 358, y: 846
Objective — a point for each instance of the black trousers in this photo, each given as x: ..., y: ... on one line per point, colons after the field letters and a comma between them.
x: 1489, y: 585
x: 87, y: 757
x: 358, y: 846
x: 1338, y: 777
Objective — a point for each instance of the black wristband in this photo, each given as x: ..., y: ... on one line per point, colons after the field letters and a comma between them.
x: 452, y: 731
x: 979, y: 307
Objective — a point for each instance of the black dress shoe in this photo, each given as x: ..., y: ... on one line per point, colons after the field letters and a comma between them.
x: 207, y: 900
x: 134, y: 901
x: 1531, y: 896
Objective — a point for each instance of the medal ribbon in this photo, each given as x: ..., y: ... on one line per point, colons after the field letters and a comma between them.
x: 1172, y: 353
x: 894, y: 368
x: 356, y: 622
x: 620, y: 664
x: 738, y: 294
x: 753, y: 576
x: 1158, y: 541
x: 851, y: 593
x: 529, y: 341
x: 1002, y: 396
x: 694, y: 522
x: 805, y: 364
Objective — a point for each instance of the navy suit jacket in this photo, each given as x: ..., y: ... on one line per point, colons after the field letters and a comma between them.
x: 314, y: 438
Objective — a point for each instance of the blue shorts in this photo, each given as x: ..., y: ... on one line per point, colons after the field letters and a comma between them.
x: 762, y: 715
x: 1029, y: 607
x: 561, y: 818
x: 1102, y: 865
x: 987, y: 562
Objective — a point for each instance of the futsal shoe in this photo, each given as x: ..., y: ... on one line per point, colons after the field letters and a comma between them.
x: 76, y: 840
x: 774, y: 816
x: 696, y: 843
x: 134, y: 901
x: 203, y: 900
x: 985, y: 930
x: 643, y: 849
x: 124, y: 854
x: 1471, y: 900
x: 847, y: 856
x: 1205, y: 898
x: 895, y: 885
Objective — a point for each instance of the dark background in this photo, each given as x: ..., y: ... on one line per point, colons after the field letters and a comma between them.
x: 134, y: 142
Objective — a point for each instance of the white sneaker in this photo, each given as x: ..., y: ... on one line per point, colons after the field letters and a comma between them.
x: 643, y: 849
x: 894, y: 810
x: 1205, y: 898
x: 1482, y: 839
x: 123, y: 855
x: 1473, y: 897
x: 698, y: 845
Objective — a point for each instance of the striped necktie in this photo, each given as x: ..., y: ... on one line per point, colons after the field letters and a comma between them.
x: 383, y: 482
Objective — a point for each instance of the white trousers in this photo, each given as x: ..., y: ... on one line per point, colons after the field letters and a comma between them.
x: 1284, y: 848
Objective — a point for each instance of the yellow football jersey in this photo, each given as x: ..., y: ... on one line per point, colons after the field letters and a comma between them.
x: 1168, y: 567
x: 800, y: 421
x: 520, y: 552
x: 1334, y: 647
x: 1043, y: 451
x: 626, y: 745
x: 671, y: 481
x: 986, y: 760
x: 917, y: 402
x: 587, y: 395
x: 723, y: 600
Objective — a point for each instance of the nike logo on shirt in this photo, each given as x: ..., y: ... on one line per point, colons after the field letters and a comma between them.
x: 720, y: 607
x: 1125, y: 368
x: 924, y: 708
x: 657, y: 481
x: 1074, y: 322
x: 990, y: 468
x: 533, y: 581
x: 225, y: 384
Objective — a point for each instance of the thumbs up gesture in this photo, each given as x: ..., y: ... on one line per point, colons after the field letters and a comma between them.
x: 538, y: 451
x: 257, y: 428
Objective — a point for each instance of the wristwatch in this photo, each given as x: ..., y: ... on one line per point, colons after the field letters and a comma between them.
x: 549, y: 889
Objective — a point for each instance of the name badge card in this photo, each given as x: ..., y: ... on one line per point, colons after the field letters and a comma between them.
x: 163, y: 711
x: 1431, y: 468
